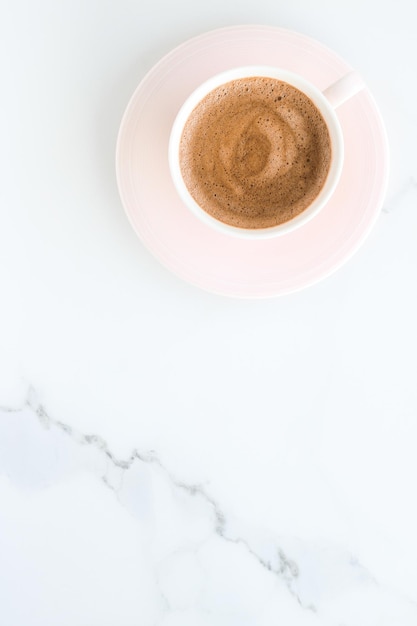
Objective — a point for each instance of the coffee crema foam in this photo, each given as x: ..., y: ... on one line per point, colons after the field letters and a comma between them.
x: 255, y: 152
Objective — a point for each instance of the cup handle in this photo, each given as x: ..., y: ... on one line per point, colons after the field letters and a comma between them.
x: 343, y: 89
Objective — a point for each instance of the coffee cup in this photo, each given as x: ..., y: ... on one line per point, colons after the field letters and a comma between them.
x: 257, y: 151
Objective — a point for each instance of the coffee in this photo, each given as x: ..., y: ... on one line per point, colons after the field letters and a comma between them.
x: 255, y: 152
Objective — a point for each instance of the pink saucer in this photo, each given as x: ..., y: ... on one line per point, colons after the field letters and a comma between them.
x: 203, y: 256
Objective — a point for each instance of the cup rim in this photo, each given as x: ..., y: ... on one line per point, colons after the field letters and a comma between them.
x: 320, y: 101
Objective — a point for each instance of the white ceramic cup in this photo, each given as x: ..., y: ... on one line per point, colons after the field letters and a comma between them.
x: 326, y: 102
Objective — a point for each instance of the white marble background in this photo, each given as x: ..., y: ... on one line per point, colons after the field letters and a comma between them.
x: 169, y: 457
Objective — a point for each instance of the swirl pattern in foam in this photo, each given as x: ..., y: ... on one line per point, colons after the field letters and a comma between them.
x: 255, y: 152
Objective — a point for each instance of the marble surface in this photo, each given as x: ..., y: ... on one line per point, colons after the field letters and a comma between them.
x: 170, y: 457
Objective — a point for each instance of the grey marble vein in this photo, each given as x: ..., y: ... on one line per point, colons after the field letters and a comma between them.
x: 409, y: 187
x: 285, y: 568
